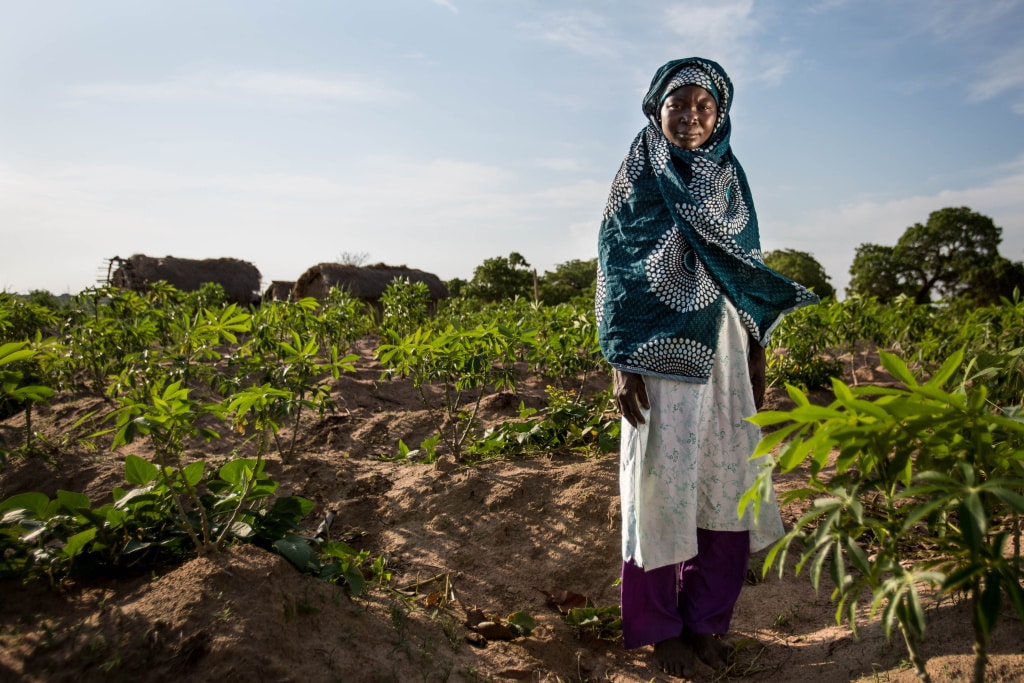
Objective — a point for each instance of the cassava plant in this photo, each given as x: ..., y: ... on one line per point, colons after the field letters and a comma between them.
x: 454, y: 368
x: 141, y: 528
x: 302, y: 377
x: 168, y: 417
x: 926, y: 490
x: 18, y: 391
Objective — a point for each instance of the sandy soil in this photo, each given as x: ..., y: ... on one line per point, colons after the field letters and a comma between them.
x: 499, y: 538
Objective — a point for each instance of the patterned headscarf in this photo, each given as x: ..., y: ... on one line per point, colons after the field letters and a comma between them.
x: 679, y: 237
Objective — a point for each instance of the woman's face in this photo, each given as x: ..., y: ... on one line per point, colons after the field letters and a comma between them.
x: 688, y: 116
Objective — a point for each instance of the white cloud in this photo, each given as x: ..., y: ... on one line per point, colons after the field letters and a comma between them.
x: 955, y: 19
x: 448, y: 5
x: 726, y: 32
x: 243, y: 83
x: 585, y: 33
x: 712, y: 26
x: 562, y: 164
x: 1001, y: 75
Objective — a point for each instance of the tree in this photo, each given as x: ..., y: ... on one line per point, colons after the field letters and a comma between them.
x: 955, y: 255
x: 352, y: 258
x: 456, y: 287
x: 874, y: 273
x: 945, y: 254
x: 500, y: 279
x: 568, y: 281
x: 1001, y: 280
x: 801, y: 267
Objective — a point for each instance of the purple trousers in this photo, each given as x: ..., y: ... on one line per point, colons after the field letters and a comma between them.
x: 696, y: 596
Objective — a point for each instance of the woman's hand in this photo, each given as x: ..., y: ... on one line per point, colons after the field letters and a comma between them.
x: 630, y: 395
x: 757, y: 364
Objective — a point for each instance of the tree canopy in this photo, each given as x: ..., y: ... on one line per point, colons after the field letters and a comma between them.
x: 954, y: 255
x: 801, y: 267
x: 568, y: 281
x: 500, y: 278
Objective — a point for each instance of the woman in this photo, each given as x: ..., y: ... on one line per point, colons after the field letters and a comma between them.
x: 685, y: 307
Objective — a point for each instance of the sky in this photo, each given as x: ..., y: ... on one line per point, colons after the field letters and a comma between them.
x: 440, y: 133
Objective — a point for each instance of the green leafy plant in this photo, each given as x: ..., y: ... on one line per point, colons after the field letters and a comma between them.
x: 426, y: 453
x: 463, y: 364
x: 16, y: 388
x: 142, y: 527
x: 799, y: 351
x: 603, y: 622
x: 333, y: 561
x: 301, y: 378
x: 566, y: 422
x: 405, y: 305
x: 921, y: 466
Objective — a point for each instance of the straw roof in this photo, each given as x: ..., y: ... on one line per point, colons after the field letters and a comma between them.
x: 363, y: 282
x: 240, y: 279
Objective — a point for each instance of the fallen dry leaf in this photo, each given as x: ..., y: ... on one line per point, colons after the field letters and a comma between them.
x: 564, y: 600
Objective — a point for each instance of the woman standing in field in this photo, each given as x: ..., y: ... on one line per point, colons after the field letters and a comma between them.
x: 685, y: 307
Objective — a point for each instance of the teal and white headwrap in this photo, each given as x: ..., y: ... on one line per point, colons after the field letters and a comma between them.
x: 679, y: 236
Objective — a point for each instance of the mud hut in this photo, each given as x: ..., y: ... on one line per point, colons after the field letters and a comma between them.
x: 363, y: 282
x: 240, y: 279
x: 280, y: 290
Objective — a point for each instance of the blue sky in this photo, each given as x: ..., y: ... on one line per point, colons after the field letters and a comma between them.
x: 439, y: 133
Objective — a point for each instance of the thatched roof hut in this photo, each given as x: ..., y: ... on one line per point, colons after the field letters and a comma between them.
x: 280, y: 290
x: 240, y: 279
x: 363, y: 282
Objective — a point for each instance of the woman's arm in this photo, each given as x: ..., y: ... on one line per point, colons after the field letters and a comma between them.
x: 630, y: 395
x: 757, y: 366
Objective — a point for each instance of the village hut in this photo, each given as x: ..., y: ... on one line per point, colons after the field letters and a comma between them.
x: 366, y: 283
x: 280, y: 290
x: 240, y: 279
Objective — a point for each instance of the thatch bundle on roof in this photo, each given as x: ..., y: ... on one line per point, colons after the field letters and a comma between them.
x: 240, y: 279
x: 363, y: 282
x: 280, y: 290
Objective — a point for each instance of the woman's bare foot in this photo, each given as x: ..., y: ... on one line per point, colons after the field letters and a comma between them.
x: 710, y: 649
x: 674, y: 656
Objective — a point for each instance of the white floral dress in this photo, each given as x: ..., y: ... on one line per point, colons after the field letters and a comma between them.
x: 688, y: 466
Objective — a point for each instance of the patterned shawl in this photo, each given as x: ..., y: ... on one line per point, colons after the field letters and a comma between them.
x: 679, y: 236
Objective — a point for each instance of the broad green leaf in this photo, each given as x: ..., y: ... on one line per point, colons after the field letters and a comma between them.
x: 73, y: 502
x: 75, y: 544
x: 236, y: 471
x: 35, y: 502
x: 193, y: 472
x: 297, y: 551
x: 522, y: 621
x: 138, y: 471
x: 354, y: 578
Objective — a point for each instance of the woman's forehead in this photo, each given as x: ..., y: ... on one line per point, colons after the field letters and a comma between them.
x: 690, y: 91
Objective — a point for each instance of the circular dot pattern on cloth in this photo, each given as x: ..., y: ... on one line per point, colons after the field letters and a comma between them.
x: 804, y: 294
x: 599, y: 295
x: 718, y: 212
x: 658, y: 146
x: 677, y: 277
x: 749, y: 323
x: 675, y: 356
x: 622, y: 186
